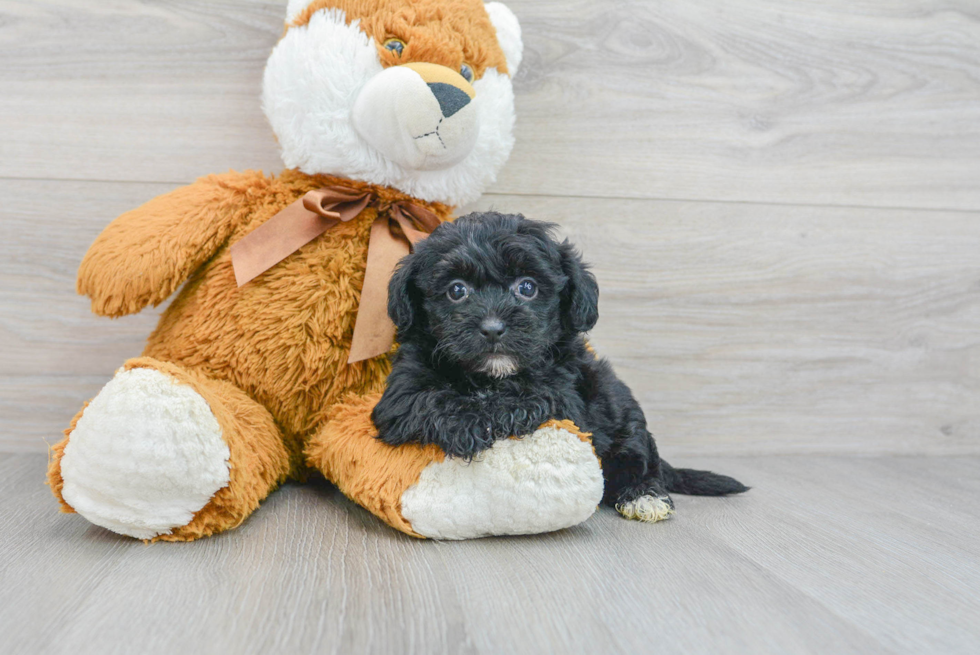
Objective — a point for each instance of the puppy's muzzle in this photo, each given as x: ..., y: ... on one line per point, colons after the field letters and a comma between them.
x: 421, y: 116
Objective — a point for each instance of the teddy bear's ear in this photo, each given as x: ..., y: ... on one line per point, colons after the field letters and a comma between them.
x: 508, y: 34
x: 294, y: 8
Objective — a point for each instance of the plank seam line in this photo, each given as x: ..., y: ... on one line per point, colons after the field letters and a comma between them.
x: 717, y: 201
x: 771, y: 203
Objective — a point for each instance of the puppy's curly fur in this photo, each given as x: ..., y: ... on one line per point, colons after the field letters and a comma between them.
x: 491, y: 312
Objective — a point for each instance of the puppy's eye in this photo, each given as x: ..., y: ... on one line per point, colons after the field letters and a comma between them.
x: 395, y: 45
x: 466, y: 72
x: 457, y: 291
x: 526, y: 288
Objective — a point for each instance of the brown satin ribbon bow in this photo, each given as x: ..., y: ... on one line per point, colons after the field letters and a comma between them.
x: 399, y: 225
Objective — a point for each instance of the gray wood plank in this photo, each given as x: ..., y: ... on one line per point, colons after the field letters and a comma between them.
x: 55, y: 353
x: 741, y: 328
x: 844, y: 530
x: 825, y: 554
x: 842, y: 103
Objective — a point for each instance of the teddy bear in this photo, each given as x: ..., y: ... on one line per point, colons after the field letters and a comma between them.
x: 266, y: 365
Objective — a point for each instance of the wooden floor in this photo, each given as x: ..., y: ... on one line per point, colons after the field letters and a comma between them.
x: 824, y: 555
x: 781, y: 200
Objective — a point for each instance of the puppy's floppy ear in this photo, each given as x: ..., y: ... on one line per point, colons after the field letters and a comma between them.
x: 580, y: 297
x: 404, y: 297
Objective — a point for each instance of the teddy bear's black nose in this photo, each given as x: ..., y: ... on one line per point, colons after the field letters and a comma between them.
x: 451, y: 99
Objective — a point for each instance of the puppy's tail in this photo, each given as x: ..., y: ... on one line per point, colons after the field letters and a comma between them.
x: 699, y: 483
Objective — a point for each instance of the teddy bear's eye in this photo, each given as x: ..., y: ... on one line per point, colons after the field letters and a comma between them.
x: 466, y: 72
x: 395, y: 45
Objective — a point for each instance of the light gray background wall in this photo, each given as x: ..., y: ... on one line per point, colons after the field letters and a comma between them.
x: 781, y: 199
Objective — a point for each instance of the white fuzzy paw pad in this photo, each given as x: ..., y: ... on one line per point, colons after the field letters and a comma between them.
x: 145, y: 456
x: 547, y: 481
x: 649, y: 509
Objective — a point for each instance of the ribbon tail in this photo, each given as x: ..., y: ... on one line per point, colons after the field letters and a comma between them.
x: 413, y: 235
x: 373, y: 330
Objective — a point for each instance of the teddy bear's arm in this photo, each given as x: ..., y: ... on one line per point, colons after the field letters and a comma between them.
x: 145, y: 254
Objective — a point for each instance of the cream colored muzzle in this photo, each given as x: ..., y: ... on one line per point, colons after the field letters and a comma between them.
x: 420, y: 116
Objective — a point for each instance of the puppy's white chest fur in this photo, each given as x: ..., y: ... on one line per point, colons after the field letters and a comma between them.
x: 499, y: 366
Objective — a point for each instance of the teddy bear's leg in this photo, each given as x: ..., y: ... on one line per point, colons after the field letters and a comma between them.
x: 163, y: 452
x: 548, y: 480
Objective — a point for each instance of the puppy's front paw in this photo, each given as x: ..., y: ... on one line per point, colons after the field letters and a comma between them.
x: 647, y: 508
x: 458, y: 436
x: 472, y: 436
x: 464, y: 436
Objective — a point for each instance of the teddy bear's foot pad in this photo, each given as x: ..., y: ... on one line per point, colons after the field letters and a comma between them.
x: 145, y: 456
x: 546, y: 481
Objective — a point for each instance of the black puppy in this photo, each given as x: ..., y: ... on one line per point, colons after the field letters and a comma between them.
x: 491, y: 312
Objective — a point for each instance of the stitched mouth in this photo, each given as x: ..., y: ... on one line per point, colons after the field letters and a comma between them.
x: 436, y: 133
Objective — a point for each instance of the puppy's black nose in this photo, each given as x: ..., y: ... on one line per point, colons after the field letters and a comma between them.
x: 492, y: 328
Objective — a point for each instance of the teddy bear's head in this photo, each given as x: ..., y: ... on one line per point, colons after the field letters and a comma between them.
x: 413, y: 94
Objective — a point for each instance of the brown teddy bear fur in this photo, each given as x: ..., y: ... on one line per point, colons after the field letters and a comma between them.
x: 270, y: 357
x: 346, y: 451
